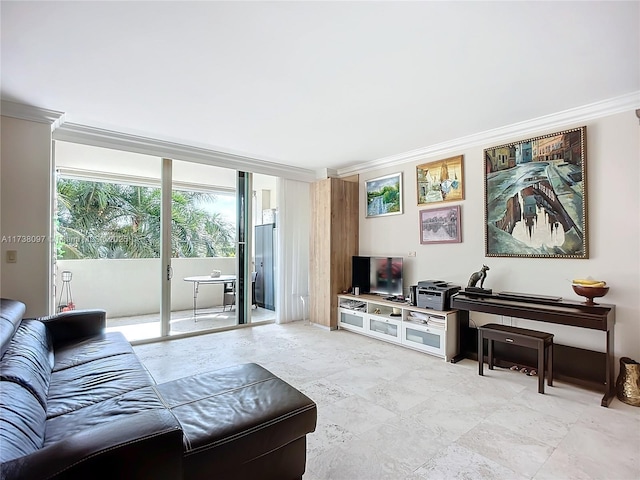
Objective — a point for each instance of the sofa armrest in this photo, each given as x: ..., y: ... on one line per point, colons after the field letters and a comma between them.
x: 146, y: 445
x: 75, y: 324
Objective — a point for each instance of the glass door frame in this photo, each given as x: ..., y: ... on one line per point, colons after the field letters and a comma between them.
x: 166, y: 271
x: 244, y: 245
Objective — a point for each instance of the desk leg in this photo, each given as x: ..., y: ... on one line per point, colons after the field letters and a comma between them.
x: 542, y: 351
x: 550, y: 365
x: 481, y: 352
x: 609, y: 391
x: 462, y: 325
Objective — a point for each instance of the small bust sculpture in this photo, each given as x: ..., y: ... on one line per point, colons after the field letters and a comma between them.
x: 478, y: 276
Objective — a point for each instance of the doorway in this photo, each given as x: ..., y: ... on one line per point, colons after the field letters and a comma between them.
x: 200, y: 242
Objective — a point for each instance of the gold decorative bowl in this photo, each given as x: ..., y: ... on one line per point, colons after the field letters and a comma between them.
x: 590, y: 292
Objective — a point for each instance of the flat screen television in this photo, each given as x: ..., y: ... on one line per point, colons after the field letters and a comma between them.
x: 378, y: 275
x: 386, y: 276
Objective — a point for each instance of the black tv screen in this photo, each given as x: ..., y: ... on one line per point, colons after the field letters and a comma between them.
x: 385, y: 276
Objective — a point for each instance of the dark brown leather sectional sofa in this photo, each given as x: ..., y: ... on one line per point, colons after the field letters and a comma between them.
x: 76, y: 403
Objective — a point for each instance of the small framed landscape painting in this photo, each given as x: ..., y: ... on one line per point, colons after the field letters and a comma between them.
x: 536, y: 197
x: 440, y: 225
x: 384, y: 195
x: 440, y: 181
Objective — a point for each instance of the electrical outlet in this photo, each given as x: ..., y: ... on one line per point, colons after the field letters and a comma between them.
x: 412, y: 254
x: 12, y: 256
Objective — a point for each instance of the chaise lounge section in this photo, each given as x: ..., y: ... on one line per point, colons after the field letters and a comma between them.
x: 75, y: 400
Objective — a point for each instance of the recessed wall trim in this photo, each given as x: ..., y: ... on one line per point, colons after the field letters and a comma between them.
x: 76, y: 133
x: 535, y: 126
x: 97, y: 137
x: 32, y: 114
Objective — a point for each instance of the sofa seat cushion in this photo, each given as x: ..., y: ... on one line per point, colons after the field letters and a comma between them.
x: 241, y: 412
x: 119, y: 408
x: 29, y: 359
x: 22, y: 422
x: 100, y: 346
x: 93, y: 382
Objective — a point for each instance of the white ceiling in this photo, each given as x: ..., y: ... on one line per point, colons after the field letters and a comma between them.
x: 316, y: 84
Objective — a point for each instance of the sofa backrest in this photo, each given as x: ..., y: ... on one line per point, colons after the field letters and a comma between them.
x: 22, y: 422
x: 25, y: 374
x: 11, y: 313
x: 28, y: 360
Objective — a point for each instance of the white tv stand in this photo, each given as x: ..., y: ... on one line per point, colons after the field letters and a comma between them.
x: 428, y: 331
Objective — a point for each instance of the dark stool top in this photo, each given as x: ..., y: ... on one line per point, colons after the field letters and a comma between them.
x: 516, y: 331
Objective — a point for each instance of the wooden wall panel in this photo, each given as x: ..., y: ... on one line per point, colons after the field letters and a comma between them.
x: 334, y: 240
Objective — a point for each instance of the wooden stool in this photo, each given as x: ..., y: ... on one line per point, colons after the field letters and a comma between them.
x: 541, y: 341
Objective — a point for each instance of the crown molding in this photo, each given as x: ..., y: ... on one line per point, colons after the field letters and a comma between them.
x: 76, y: 133
x: 32, y: 114
x: 323, y: 173
x: 84, y: 134
x: 505, y: 134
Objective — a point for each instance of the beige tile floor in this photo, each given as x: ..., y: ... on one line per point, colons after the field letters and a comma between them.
x: 386, y: 412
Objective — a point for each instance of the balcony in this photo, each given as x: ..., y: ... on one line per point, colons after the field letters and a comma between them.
x: 130, y: 290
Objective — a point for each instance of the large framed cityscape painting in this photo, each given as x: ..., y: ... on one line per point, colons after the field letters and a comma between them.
x: 536, y: 197
x: 384, y: 195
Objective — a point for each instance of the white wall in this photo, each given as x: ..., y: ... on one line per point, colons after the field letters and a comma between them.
x: 25, y: 169
x: 125, y: 287
x: 613, y: 181
x: 613, y: 151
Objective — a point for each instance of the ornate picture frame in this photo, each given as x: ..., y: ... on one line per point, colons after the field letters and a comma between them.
x: 440, y: 181
x: 383, y: 195
x: 536, y: 197
x: 440, y: 225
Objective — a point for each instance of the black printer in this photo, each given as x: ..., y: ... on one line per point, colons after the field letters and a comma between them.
x: 435, y: 294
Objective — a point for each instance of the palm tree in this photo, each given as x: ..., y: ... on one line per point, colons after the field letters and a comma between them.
x: 109, y: 220
x: 196, y: 232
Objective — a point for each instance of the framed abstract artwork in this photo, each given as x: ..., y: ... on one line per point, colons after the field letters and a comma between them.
x: 440, y: 225
x: 536, y: 197
x: 440, y: 181
x: 384, y: 195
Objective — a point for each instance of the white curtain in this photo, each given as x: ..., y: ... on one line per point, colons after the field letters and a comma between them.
x: 292, y: 253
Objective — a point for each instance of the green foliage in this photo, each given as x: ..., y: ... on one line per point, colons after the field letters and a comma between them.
x: 390, y: 197
x: 110, y: 220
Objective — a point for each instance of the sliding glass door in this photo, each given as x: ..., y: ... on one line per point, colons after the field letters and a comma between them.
x: 203, y: 251
x: 108, y: 236
x: 166, y: 247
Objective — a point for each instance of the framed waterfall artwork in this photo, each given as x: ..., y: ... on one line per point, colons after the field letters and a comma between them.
x: 440, y: 181
x: 384, y: 195
x: 536, y: 197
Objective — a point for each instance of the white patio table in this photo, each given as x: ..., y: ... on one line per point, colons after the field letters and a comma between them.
x: 207, y: 280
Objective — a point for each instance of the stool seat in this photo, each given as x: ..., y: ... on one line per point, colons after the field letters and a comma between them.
x: 541, y: 341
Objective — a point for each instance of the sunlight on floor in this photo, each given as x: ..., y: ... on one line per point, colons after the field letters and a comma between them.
x: 145, y: 327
